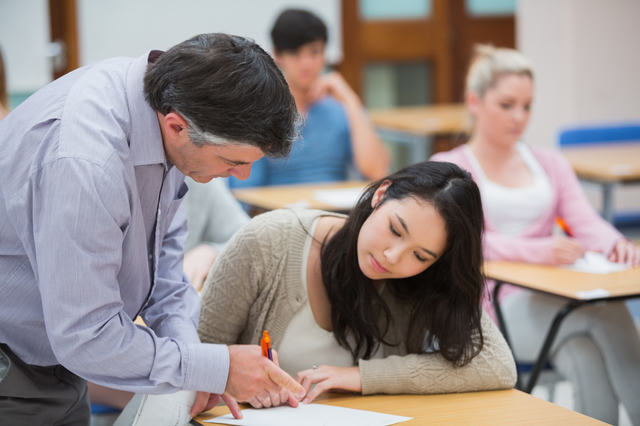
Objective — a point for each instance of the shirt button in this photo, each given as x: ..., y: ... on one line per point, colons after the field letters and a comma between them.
x: 150, y: 257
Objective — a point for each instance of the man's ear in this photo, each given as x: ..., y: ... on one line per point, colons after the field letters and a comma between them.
x: 173, y: 124
x: 378, y: 195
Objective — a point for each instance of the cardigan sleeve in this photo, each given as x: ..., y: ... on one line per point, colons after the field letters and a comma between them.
x: 595, y: 233
x: 231, y: 287
x: 493, y: 368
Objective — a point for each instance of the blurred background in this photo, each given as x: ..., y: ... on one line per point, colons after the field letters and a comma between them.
x: 393, y: 53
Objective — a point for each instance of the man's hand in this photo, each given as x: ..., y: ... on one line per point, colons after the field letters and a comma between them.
x: 205, y: 401
x: 567, y: 250
x: 258, y: 381
x: 198, y: 262
x: 327, y: 377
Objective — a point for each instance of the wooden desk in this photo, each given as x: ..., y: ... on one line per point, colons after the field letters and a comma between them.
x: 560, y: 282
x: 416, y: 126
x: 606, y: 165
x: 507, y: 407
x: 277, y: 197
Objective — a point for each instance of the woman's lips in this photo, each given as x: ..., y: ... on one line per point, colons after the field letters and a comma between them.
x: 378, y: 267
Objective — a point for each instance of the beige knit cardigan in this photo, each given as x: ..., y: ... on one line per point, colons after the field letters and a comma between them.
x: 256, y: 285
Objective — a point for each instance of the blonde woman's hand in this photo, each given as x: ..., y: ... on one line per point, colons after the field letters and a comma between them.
x: 197, y: 263
x: 567, y: 250
x: 625, y: 252
x: 326, y: 378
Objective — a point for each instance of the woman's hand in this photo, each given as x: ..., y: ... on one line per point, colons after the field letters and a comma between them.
x: 567, y: 250
x: 327, y: 377
x: 625, y: 252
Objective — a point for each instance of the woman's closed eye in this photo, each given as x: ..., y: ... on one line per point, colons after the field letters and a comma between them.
x: 393, y: 230
x: 421, y: 259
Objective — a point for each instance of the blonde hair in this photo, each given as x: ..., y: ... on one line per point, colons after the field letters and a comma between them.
x: 487, y: 65
x: 490, y: 62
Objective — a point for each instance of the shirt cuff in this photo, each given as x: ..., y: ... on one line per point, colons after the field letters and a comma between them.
x: 207, y: 367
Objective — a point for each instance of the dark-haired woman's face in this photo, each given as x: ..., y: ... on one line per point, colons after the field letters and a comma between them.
x: 400, y: 239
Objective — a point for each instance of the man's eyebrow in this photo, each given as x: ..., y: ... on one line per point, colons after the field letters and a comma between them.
x: 237, y: 163
x: 404, y: 225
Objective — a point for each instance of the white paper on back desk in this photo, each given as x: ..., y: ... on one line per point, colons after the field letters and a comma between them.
x: 310, y: 415
x: 596, y: 263
x: 343, y: 198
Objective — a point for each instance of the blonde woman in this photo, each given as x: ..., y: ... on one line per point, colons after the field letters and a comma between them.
x: 523, y: 189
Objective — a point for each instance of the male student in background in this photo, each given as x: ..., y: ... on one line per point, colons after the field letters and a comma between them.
x: 337, y: 133
x: 91, y: 177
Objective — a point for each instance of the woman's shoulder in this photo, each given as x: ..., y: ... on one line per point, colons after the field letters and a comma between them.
x: 551, y: 159
x: 456, y: 155
x: 281, y: 223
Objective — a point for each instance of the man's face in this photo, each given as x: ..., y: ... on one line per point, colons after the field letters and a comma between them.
x: 207, y: 162
x: 302, y: 66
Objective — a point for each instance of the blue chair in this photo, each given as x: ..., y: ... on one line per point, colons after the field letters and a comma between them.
x: 600, y: 135
x: 103, y: 415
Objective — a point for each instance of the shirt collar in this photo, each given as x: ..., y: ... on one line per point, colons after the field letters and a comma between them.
x: 145, y: 139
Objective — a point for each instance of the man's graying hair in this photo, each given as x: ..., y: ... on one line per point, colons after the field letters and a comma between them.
x: 228, y: 90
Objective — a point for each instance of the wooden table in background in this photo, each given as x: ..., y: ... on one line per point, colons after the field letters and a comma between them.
x: 278, y: 197
x: 607, y: 165
x: 508, y: 407
x: 560, y: 282
x: 417, y: 125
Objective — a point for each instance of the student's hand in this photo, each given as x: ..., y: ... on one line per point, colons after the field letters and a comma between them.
x: 567, y: 250
x: 327, y: 377
x: 205, y: 401
x: 625, y: 252
x: 256, y: 380
x: 335, y: 85
x: 198, y: 262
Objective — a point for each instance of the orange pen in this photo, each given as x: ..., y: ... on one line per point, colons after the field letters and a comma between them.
x: 563, y: 225
x: 265, y: 344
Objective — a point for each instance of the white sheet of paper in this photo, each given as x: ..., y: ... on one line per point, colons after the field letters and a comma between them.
x: 344, y: 198
x: 310, y: 415
x: 596, y: 263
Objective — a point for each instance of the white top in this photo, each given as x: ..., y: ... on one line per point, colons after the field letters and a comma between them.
x: 304, y: 343
x: 512, y: 210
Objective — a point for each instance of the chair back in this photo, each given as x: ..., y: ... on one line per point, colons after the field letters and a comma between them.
x: 618, y: 133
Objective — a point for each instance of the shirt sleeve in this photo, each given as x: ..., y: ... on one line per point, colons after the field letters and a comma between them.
x: 493, y: 368
x: 231, y: 288
x: 80, y: 216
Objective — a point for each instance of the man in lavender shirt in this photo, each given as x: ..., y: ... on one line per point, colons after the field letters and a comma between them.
x: 91, y: 177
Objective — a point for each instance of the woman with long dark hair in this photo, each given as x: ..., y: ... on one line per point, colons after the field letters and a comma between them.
x: 385, y: 300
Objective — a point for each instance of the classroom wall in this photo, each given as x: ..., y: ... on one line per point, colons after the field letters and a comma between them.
x: 24, y: 34
x: 587, y: 59
x: 129, y: 28
x: 586, y: 56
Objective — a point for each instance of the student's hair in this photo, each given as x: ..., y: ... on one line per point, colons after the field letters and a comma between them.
x: 444, y: 300
x: 295, y: 28
x: 228, y: 90
x: 4, y: 96
x: 489, y: 63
